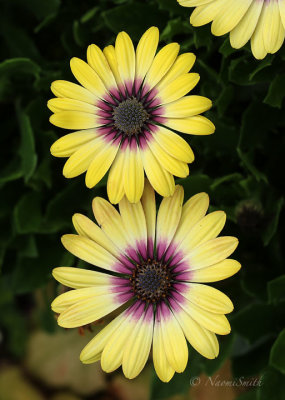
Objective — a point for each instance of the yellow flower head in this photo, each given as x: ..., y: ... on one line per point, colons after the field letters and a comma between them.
x: 159, y: 264
x: 261, y: 21
x: 129, y: 103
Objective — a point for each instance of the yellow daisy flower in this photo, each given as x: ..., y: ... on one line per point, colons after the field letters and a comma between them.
x: 125, y: 111
x: 159, y: 264
x: 260, y: 21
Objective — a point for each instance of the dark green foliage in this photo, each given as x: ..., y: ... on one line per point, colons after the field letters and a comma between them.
x: 241, y: 166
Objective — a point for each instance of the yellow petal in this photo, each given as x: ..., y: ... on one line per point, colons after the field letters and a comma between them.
x: 74, y: 120
x: 149, y: 207
x: 81, y: 159
x: 257, y: 41
x: 85, y: 227
x: 197, y: 125
x: 69, y: 144
x: 110, y: 221
x: 217, y: 323
x: 216, y: 272
x: 174, y: 145
x: 145, y: 51
x: 229, y: 16
x: 72, y: 91
x: 88, y: 310
x: 281, y: 4
x: 168, y: 218
x: 203, y: 341
x: 187, y: 106
x: 93, y: 350
x: 137, y: 348
x: 162, y: 367
x: 97, y: 60
x: 178, y: 88
x: 174, y: 343
x: 110, y: 54
x: 206, y: 12
x: 133, y: 174
x: 103, y: 159
x: 162, y: 63
x: 272, y: 23
x: 169, y: 163
x: 208, y: 298
x: 134, y: 221
x: 87, y: 77
x: 89, y: 251
x: 241, y: 34
x: 115, y: 183
x: 77, y: 278
x: 65, y: 104
x: 192, y: 212
x: 206, y: 229
x: 181, y: 65
x: 125, y: 55
x: 68, y: 299
x: 112, y: 355
x: 212, y: 252
x: 161, y: 180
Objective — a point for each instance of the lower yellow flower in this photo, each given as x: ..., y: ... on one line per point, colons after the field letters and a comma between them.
x: 159, y: 264
x: 126, y: 110
x: 261, y: 21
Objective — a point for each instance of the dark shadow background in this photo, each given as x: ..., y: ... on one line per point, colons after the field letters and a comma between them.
x: 241, y: 166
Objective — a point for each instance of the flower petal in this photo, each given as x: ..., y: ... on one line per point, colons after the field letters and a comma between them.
x: 145, y: 51
x: 89, y: 251
x: 174, y: 145
x: 77, y: 278
x: 71, y: 90
x: 115, y: 183
x: 138, y: 346
x: 74, y: 120
x: 66, y: 104
x: 133, y: 173
x: 178, y: 87
x: 216, y: 272
x: 87, y: 77
x: 149, y: 207
x: 103, y: 159
x: 97, y: 60
x: 69, y: 144
x: 125, y: 55
x: 197, y: 125
x: 187, y: 106
x: 168, y: 218
x: 161, y: 64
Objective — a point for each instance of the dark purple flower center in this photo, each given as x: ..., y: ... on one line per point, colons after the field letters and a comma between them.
x: 130, y: 116
x: 151, y: 280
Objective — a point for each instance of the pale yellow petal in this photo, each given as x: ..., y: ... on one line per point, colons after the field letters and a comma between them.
x: 77, y: 278
x: 178, y: 87
x: 197, y: 125
x: 145, y: 51
x: 71, y: 90
x: 69, y: 144
x: 216, y: 272
x: 187, y: 106
x: 133, y: 174
x: 97, y: 60
x: 74, y: 120
x: 115, y: 183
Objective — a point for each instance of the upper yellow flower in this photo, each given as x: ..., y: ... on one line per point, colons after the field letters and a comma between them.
x: 127, y: 102
x: 158, y: 264
x: 262, y: 21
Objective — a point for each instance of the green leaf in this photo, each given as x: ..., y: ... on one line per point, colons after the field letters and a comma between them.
x: 275, y: 289
x: 277, y: 354
x: 19, y: 65
x: 27, y: 213
x: 271, y: 228
x: 27, y: 148
x: 134, y: 18
x: 276, y: 91
x: 272, y: 387
x: 259, y: 320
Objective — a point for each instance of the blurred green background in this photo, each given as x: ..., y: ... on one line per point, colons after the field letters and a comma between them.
x: 241, y: 166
